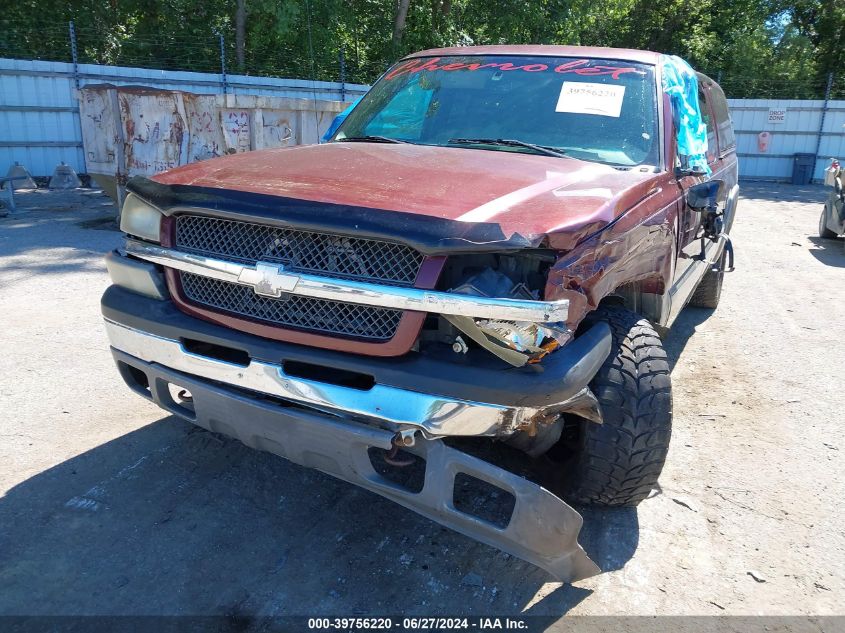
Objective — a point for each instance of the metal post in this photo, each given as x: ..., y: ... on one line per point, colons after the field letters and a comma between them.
x: 827, y: 92
x: 122, y: 169
x: 342, y: 61
x: 223, y: 64
x: 73, y: 54
x: 719, y: 78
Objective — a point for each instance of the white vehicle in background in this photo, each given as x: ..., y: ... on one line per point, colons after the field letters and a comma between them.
x: 832, y: 220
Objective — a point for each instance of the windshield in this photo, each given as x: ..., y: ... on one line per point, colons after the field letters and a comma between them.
x: 592, y: 109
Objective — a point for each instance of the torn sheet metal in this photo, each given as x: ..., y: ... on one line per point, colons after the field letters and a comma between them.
x: 639, y: 247
x: 516, y: 342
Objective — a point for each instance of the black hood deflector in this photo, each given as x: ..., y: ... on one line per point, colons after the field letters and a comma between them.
x: 429, y: 235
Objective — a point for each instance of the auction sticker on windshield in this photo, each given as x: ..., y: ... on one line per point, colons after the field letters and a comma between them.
x: 590, y: 98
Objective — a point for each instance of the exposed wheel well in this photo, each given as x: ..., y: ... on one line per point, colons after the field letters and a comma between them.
x: 638, y: 296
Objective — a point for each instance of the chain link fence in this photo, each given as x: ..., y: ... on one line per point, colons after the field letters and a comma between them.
x: 314, y: 56
x: 830, y: 87
x: 212, y: 52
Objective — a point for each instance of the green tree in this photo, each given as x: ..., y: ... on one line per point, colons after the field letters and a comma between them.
x: 758, y: 47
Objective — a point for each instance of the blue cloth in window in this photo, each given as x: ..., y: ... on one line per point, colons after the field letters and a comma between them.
x: 339, y: 119
x: 681, y: 85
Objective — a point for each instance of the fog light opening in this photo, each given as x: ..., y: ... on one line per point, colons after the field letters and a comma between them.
x: 181, y: 398
x: 410, y: 477
x: 136, y: 379
x: 482, y: 500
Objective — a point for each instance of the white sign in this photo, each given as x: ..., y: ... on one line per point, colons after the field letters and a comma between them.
x: 586, y: 98
x: 777, y: 115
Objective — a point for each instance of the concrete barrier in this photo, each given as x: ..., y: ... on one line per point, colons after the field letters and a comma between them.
x: 64, y: 177
x: 19, y: 178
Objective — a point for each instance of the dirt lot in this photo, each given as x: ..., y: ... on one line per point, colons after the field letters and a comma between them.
x: 111, y: 507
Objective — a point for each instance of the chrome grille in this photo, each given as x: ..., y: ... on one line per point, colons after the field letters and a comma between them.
x: 329, y: 317
x: 303, y: 251
x: 300, y: 251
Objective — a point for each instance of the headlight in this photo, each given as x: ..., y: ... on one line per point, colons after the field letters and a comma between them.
x: 532, y: 339
x: 515, y: 342
x: 140, y: 218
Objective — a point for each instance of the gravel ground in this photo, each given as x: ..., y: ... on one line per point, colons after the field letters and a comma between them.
x: 109, y: 506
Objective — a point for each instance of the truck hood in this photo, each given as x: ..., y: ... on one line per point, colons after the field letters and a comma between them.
x: 538, y: 199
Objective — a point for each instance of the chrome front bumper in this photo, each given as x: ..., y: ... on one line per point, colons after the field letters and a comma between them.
x: 398, y: 410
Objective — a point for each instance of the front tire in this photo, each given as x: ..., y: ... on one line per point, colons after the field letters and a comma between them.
x: 618, y: 462
x: 824, y: 232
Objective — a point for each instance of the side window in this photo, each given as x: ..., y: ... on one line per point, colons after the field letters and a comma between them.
x: 403, y: 116
x: 708, y: 120
x: 727, y: 139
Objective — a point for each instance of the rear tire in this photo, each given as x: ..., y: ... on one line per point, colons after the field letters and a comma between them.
x: 619, y: 461
x: 824, y: 232
x: 709, y: 289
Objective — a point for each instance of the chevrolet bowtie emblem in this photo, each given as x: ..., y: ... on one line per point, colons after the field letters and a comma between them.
x: 269, y: 280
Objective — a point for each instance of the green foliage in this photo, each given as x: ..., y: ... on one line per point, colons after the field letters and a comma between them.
x: 757, y: 47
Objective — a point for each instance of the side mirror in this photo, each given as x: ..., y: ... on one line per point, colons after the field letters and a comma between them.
x: 705, y: 195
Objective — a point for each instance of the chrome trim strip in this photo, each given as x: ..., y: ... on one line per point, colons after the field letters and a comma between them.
x: 397, y: 409
x: 272, y: 280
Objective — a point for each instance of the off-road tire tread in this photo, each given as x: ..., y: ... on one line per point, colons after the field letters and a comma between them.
x: 621, y: 459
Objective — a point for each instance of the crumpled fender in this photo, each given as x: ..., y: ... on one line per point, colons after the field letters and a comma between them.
x: 638, y: 247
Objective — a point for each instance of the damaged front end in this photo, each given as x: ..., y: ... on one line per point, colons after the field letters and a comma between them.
x: 495, y: 358
x: 513, y: 324
x: 517, y: 343
x: 536, y: 525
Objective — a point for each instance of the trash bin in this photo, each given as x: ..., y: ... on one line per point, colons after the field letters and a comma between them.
x: 803, y: 166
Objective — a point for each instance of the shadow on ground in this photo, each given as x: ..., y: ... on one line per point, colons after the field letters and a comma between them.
x: 781, y: 192
x: 33, y: 230
x: 682, y: 330
x: 172, y: 519
x: 828, y: 252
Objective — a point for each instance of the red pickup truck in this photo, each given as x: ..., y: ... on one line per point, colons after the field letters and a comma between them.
x: 484, y: 252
